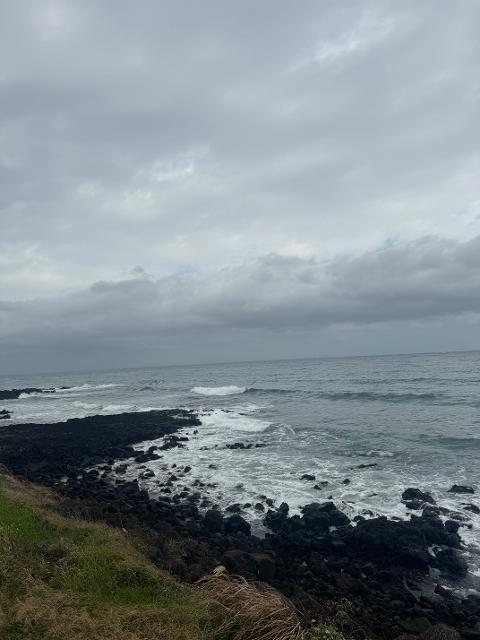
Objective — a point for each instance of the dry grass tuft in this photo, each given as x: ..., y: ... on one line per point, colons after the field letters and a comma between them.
x: 251, y: 611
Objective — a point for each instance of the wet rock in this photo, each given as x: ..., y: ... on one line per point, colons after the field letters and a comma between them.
x: 277, y: 520
x: 213, y: 466
x: 4, y: 414
x: 384, y: 540
x: 239, y: 445
x: 471, y: 507
x: 234, y: 508
x: 121, y: 468
x: 240, y: 563
x: 416, y: 625
x: 472, y: 604
x: 367, y: 466
x: 236, y: 524
x: 213, y: 520
x: 147, y: 474
x: 307, y: 476
x: 312, y: 512
x: 259, y: 506
x: 173, y: 441
x: 346, y: 481
x: 450, y: 563
x: 460, y: 488
x: 417, y: 495
x: 440, y: 632
x: 265, y: 566
x: 14, y: 394
x: 414, y: 505
x: 187, y: 469
x: 451, y: 526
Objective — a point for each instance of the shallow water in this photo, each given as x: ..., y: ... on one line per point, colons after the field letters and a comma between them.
x: 416, y: 416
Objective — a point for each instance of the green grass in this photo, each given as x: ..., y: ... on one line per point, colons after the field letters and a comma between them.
x: 64, y: 578
x: 324, y: 632
x: 67, y: 579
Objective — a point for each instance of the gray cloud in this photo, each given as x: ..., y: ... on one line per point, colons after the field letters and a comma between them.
x: 234, y: 151
x: 427, y: 279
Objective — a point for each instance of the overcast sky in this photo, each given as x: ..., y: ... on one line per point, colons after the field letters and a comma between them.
x: 212, y: 181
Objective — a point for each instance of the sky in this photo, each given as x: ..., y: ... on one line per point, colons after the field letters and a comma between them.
x: 217, y: 181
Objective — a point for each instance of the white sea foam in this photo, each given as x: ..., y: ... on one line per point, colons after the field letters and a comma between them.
x: 227, y: 421
x: 87, y: 406
x: 219, y: 391
x: 88, y: 387
x: 110, y: 409
x: 379, y: 454
x: 118, y: 408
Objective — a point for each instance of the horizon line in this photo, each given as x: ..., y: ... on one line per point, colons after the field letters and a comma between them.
x: 227, y: 362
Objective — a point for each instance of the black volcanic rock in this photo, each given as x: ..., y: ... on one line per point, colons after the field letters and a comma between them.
x: 316, y: 512
x: 381, y: 538
x: 460, y: 488
x: 213, y: 520
x: 236, y: 524
x: 14, y: 394
x: 451, y: 563
x: 45, y: 452
x: 240, y: 563
x: 472, y: 507
x: 412, y: 494
x: 277, y: 520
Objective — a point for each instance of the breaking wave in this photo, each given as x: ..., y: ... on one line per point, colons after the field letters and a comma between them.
x: 219, y: 391
x: 87, y: 387
x: 231, y: 420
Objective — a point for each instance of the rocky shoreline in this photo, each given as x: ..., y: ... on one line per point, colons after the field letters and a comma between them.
x: 14, y: 394
x: 374, y: 576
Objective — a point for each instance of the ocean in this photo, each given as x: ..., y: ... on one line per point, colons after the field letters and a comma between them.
x: 416, y: 418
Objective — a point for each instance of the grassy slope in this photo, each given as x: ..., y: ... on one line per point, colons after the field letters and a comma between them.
x: 63, y: 578
x: 68, y: 579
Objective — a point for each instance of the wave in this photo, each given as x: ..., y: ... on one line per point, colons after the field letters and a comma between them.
x: 377, y: 453
x: 34, y: 394
x: 378, y: 397
x: 453, y: 442
x: 259, y: 390
x: 218, y: 391
x: 231, y: 420
x: 87, y: 406
x: 120, y: 408
x: 86, y: 387
x: 112, y: 409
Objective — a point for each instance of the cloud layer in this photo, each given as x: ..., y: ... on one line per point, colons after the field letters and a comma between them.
x: 274, y: 166
x: 427, y: 279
